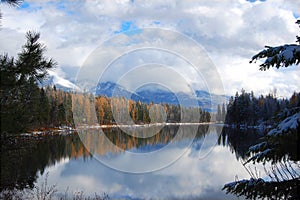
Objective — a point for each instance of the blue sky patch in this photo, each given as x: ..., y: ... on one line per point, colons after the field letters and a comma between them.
x: 128, y: 28
x: 31, y: 7
x: 60, y: 5
x: 24, y: 5
x: 125, y: 26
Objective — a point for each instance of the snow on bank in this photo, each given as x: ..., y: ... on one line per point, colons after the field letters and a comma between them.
x: 291, y: 122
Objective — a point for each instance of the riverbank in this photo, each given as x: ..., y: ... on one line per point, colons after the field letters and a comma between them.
x: 63, y: 130
x: 245, y: 126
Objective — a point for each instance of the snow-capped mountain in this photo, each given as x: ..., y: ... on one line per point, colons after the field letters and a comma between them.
x: 203, y: 98
x: 156, y: 95
x: 59, y: 82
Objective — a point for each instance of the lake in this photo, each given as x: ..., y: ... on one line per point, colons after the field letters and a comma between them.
x: 161, y: 162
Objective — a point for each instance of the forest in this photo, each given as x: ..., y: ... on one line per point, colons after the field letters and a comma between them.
x: 278, y: 149
x: 27, y: 107
x: 246, y: 109
x: 47, y: 108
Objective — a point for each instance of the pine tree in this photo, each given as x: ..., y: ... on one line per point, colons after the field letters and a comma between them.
x: 223, y: 113
x: 19, y: 92
x: 279, y: 147
x: 14, y: 3
x: 31, y: 62
x: 219, y: 114
x: 44, y: 108
x: 68, y: 108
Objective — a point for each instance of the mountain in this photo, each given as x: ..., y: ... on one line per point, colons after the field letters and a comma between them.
x: 110, y: 89
x: 147, y: 95
x: 158, y: 96
x: 59, y: 82
x: 203, y: 98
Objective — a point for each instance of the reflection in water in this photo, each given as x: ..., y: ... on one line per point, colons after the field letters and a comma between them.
x: 239, y: 141
x: 105, y: 141
x: 140, y: 149
x: 22, y: 157
x: 71, y: 165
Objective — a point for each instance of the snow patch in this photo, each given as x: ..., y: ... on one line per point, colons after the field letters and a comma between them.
x: 291, y: 122
x: 258, y: 146
x: 57, y: 80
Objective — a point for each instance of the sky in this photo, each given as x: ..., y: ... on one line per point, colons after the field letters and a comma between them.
x: 205, y: 44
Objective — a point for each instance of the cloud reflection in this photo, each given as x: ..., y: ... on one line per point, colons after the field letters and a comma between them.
x: 187, y: 178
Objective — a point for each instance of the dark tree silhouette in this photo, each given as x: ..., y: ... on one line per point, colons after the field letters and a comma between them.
x: 31, y: 62
x: 14, y: 3
x: 19, y: 92
x: 280, y: 56
x: 279, y: 148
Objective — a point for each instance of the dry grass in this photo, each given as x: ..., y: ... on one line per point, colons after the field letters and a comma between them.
x: 45, y: 192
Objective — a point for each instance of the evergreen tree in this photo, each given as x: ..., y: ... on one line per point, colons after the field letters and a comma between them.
x: 223, y: 113
x: 53, y: 108
x: 280, y: 56
x: 31, y: 63
x: 246, y: 109
x: 219, y: 114
x: 44, y: 108
x: 68, y: 108
x: 31, y: 105
x: 19, y: 92
x: 61, y: 114
x: 279, y: 147
x: 14, y: 3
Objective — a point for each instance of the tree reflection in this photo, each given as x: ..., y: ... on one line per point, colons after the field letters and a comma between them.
x: 23, y: 157
x: 239, y: 140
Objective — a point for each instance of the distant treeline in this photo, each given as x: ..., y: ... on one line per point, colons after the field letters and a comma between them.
x: 247, y: 109
x: 91, y: 110
x: 44, y: 108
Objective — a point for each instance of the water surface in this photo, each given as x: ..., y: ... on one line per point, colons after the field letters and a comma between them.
x: 187, y: 162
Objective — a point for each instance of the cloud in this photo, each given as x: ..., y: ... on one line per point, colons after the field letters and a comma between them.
x: 230, y: 31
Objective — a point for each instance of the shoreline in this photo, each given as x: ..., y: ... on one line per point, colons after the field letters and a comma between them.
x: 70, y: 130
x: 65, y: 130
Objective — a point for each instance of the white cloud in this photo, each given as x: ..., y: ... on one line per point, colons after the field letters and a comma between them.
x: 230, y: 31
